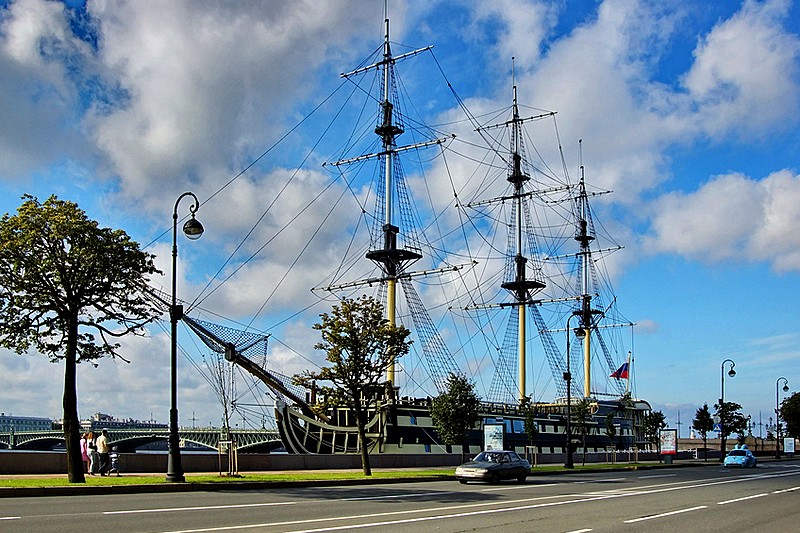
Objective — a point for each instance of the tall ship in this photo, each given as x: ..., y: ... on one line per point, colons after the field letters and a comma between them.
x: 505, y: 250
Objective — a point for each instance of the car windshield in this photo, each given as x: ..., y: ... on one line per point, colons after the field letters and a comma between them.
x: 736, y: 453
x: 489, y: 457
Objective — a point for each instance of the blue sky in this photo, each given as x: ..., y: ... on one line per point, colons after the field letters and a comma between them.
x: 689, y: 111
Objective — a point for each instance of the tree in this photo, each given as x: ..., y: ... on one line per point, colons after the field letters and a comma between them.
x: 652, y: 424
x: 68, y: 288
x: 360, y: 344
x: 581, y: 414
x: 455, y: 411
x: 790, y: 412
x: 611, y: 428
x: 731, y: 420
x: 703, y: 423
x: 530, y: 425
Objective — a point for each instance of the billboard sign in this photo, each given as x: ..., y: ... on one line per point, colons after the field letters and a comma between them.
x: 668, y: 439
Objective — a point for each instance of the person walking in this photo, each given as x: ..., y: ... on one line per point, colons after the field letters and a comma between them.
x: 85, y: 452
x: 102, y: 451
x: 94, y: 458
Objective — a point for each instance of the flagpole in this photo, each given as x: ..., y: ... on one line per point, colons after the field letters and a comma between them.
x: 628, y: 379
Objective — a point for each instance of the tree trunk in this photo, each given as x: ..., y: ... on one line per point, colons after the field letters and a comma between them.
x: 72, y: 424
x: 362, y: 440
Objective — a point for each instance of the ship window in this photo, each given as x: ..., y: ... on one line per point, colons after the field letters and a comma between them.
x: 489, y: 420
x: 519, y: 426
x: 427, y: 448
x: 507, y: 424
x: 413, y: 420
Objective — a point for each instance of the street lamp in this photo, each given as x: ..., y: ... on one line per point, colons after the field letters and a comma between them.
x: 193, y: 230
x: 778, y: 415
x: 568, y: 378
x: 731, y: 373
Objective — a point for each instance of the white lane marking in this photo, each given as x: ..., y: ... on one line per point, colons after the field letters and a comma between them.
x: 742, y: 499
x: 600, y: 480
x: 517, y: 487
x: 401, y: 495
x: 10, y: 518
x: 580, y: 531
x: 785, y: 490
x: 203, y: 508
x: 409, y: 511
x: 587, y: 498
x: 657, y: 475
x: 662, y: 515
x: 394, y: 522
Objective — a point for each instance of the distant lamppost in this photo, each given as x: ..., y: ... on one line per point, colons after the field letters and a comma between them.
x: 731, y: 373
x: 568, y: 463
x: 778, y: 415
x: 193, y: 230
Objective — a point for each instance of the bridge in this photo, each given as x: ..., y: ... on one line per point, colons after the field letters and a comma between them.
x: 127, y: 440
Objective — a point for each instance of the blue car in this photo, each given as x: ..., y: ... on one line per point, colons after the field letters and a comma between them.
x: 740, y: 456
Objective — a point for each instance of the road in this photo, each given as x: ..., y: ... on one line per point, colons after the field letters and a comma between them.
x: 708, y: 498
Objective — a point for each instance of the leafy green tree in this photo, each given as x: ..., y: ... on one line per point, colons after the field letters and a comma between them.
x: 360, y: 344
x: 790, y: 412
x: 653, y: 422
x: 611, y: 428
x: 703, y: 423
x: 581, y: 414
x: 455, y: 410
x: 68, y: 289
x: 530, y: 425
x: 732, y: 422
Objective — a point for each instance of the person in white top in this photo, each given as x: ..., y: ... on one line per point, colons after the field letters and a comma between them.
x: 102, y: 451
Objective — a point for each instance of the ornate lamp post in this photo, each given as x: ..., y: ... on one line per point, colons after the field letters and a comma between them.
x: 731, y: 373
x: 568, y: 463
x: 778, y: 415
x: 193, y: 230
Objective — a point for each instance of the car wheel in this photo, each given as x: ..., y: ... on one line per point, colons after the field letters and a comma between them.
x: 494, y: 478
x: 521, y: 479
x: 462, y: 481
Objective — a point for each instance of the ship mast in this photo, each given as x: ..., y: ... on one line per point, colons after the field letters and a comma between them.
x: 584, y: 238
x: 520, y: 287
x: 390, y: 258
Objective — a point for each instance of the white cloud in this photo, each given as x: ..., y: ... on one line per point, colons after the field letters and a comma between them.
x: 744, y: 78
x: 733, y: 217
x: 37, y: 49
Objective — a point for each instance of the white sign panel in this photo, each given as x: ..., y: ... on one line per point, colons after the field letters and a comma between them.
x: 493, y: 437
x: 788, y: 445
x: 669, y: 441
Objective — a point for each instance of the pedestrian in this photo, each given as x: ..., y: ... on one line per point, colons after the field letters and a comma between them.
x: 114, y: 456
x: 94, y: 458
x: 85, y: 453
x: 102, y: 451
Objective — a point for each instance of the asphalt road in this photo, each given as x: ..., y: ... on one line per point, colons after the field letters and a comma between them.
x: 682, y: 499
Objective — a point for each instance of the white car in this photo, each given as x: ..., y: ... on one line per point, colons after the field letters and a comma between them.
x: 492, y: 466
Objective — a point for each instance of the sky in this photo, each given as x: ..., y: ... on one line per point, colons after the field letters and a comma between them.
x: 688, y: 111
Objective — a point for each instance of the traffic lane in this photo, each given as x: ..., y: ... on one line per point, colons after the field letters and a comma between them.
x: 366, y: 504
x: 197, y: 511
x: 718, y: 502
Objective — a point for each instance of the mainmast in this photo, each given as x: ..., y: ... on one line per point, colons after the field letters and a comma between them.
x: 390, y: 257
x: 584, y: 237
x: 520, y: 287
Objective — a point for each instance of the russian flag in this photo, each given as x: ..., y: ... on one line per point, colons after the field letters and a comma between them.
x: 621, y: 372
